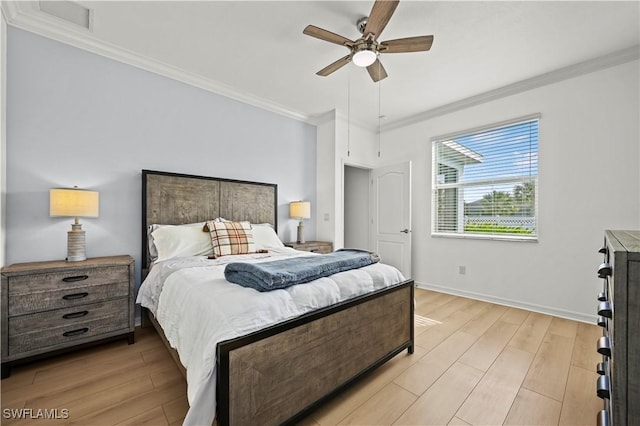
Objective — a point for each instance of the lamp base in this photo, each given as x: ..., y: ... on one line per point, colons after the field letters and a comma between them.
x: 300, y: 232
x: 76, y: 244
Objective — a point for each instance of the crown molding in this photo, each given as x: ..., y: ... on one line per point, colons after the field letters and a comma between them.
x: 9, y: 10
x: 615, y: 58
x: 55, y: 29
x: 338, y: 115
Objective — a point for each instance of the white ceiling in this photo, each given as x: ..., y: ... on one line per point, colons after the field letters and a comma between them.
x: 255, y: 51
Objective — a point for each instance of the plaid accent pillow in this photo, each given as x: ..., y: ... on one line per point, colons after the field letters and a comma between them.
x: 230, y: 238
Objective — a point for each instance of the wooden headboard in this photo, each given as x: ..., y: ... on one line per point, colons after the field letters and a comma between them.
x: 175, y: 199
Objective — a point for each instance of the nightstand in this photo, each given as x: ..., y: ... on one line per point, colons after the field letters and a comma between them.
x: 314, y: 246
x: 53, y: 307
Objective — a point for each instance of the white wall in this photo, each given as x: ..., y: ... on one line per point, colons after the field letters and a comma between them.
x: 339, y: 143
x: 76, y: 118
x: 589, y: 181
x: 325, y: 208
x: 3, y: 139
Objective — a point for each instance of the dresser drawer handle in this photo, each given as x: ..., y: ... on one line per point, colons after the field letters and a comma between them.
x: 74, y: 279
x: 602, y: 321
x: 75, y: 296
x: 603, y: 388
x: 603, y: 418
x: 603, y: 250
x: 75, y: 315
x: 601, y: 368
x: 604, y: 346
x: 602, y: 296
x: 605, y: 310
x: 604, y: 270
x: 75, y: 332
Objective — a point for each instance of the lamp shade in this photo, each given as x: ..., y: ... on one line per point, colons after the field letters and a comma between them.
x: 73, y: 202
x: 300, y: 210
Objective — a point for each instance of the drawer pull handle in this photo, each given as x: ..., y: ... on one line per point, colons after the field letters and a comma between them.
x: 603, y: 387
x: 75, y: 296
x: 74, y: 279
x: 601, y: 368
x: 605, y: 310
x: 75, y: 332
x: 603, y: 418
x: 604, y: 346
x: 602, y: 322
x: 602, y: 296
x: 603, y: 249
x: 604, y: 270
x: 75, y: 315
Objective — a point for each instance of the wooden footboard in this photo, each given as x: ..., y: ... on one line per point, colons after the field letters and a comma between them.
x: 278, y: 374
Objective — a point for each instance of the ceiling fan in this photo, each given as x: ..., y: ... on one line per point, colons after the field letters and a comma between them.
x: 365, y: 50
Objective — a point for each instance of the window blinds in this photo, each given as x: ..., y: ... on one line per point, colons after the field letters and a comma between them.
x: 485, y: 181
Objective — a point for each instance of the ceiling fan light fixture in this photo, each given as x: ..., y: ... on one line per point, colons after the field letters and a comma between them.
x: 364, y: 58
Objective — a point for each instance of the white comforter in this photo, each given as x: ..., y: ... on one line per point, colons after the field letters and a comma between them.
x: 198, y: 308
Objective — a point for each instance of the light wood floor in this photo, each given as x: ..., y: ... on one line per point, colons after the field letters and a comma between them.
x: 475, y: 363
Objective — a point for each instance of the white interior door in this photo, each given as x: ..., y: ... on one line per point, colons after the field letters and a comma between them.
x: 391, y: 215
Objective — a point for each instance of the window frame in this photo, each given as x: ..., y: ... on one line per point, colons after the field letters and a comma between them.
x: 435, y: 186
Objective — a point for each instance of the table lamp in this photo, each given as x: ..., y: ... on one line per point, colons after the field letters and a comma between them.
x: 74, y: 202
x: 300, y: 210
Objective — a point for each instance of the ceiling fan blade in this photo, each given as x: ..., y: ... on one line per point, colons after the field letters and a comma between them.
x: 334, y: 66
x: 377, y: 71
x: 313, y: 31
x: 379, y: 17
x: 409, y: 44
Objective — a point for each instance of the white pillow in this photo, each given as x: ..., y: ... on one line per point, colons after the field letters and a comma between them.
x: 264, y: 236
x: 181, y: 240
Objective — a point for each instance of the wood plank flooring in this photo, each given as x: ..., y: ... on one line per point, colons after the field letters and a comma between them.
x: 475, y: 363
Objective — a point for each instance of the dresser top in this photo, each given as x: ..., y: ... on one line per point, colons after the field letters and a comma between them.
x: 55, y: 265
x: 628, y: 241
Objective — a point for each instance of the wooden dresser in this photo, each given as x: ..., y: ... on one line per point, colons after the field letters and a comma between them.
x: 618, y: 383
x: 313, y: 246
x: 53, y: 307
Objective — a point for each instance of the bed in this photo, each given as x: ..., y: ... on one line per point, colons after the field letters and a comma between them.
x: 277, y: 370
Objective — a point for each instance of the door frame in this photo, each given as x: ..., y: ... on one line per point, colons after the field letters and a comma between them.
x: 369, y: 218
x: 345, y: 194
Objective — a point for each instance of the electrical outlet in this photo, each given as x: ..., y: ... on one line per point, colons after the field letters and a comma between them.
x: 462, y: 270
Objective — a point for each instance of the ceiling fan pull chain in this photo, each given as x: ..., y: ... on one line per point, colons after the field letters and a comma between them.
x: 349, y: 114
x: 379, y: 101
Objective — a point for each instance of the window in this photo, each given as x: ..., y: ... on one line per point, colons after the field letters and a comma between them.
x: 485, y: 182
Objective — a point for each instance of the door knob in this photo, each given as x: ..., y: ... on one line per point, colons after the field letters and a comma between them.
x: 406, y: 231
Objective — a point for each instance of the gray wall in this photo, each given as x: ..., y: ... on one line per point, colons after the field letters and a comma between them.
x: 76, y: 118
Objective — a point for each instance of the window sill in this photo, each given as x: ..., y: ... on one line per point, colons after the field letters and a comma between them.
x: 492, y: 237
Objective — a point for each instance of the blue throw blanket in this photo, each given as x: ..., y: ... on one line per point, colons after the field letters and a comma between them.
x: 266, y: 276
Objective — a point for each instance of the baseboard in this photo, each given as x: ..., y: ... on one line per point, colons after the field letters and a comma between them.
x: 548, y: 310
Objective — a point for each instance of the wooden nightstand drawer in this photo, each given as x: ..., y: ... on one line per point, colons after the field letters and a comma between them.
x: 37, y: 300
x: 50, y: 336
x: 312, y: 246
x: 67, y: 317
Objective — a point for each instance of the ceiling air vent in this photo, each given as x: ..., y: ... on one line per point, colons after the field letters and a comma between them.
x: 68, y: 11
